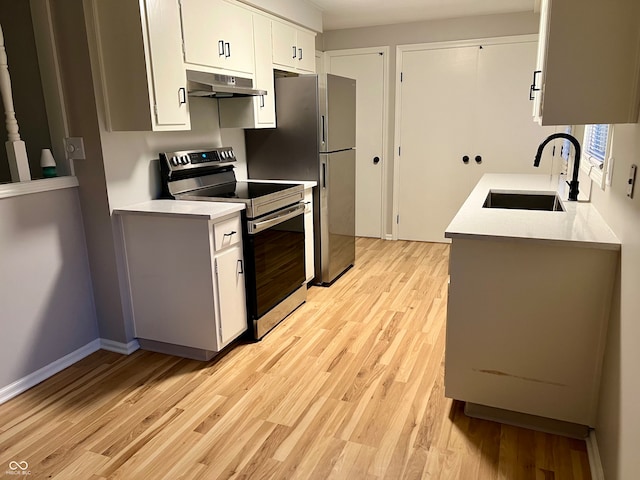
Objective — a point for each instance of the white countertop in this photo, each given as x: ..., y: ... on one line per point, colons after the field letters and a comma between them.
x: 208, y: 210
x: 580, y: 223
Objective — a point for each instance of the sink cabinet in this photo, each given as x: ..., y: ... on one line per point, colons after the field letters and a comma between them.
x: 588, y: 66
x: 186, y: 279
x: 526, y: 325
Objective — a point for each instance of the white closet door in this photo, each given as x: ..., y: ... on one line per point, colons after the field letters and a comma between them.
x: 436, y: 130
x: 458, y: 101
x: 368, y: 71
x: 506, y: 137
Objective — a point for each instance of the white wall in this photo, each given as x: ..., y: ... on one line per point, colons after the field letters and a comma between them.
x: 423, y: 32
x: 618, y: 423
x: 45, y: 285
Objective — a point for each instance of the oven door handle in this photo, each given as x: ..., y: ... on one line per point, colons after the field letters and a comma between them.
x: 269, y: 221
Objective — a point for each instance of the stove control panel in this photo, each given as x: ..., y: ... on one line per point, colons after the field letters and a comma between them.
x: 176, y: 161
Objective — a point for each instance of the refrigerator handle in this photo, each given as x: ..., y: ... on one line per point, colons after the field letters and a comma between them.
x: 323, y: 129
x: 324, y: 175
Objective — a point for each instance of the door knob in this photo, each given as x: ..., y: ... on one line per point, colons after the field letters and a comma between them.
x: 376, y: 160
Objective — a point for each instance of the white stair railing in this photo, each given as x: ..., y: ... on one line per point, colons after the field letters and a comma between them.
x: 16, y: 149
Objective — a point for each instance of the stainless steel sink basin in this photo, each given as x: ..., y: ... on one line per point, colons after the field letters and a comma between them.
x: 524, y: 201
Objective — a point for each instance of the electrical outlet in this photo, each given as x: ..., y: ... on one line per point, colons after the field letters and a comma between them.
x: 74, y: 147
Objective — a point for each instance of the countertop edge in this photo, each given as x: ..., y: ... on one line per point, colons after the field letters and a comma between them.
x: 546, y: 241
x: 152, y: 208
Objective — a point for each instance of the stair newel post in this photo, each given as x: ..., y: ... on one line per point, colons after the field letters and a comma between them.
x: 16, y: 149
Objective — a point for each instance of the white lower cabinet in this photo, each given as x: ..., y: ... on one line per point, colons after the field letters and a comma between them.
x: 186, y: 278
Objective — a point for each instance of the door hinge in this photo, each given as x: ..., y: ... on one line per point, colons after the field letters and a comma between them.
x: 215, y: 267
x: 155, y: 111
x: 184, y: 51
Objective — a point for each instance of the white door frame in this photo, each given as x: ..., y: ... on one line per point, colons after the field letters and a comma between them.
x: 400, y: 49
x: 385, y: 120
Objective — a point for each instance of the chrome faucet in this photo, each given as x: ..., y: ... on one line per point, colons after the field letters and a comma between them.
x: 573, y: 185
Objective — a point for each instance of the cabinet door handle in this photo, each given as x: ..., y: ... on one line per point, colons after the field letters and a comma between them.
x: 228, y: 49
x: 478, y: 159
x: 531, y: 92
x: 241, y: 269
x: 323, y: 134
x: 324, y: 175
x: 182, y: 95
x: 261, y: 101
x: 220, y: 48
x: 534, y: 87
x: 295, y: 51
x: 300, y: 54
x: 465, y: 159
x: 376, y: 160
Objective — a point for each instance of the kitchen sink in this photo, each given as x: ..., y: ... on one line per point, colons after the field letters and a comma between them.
x: 524, y: 201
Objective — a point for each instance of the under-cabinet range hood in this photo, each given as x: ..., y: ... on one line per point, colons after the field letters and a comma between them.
x: 204, y: 84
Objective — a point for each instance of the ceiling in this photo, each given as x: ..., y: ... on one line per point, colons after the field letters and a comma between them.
x: 338, y: 14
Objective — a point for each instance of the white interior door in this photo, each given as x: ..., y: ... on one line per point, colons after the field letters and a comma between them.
x: 436, y: 132
x: 458, y: 101
x: 367, y: 68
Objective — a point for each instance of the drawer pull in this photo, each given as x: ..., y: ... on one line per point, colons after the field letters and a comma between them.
x: 230, y: 234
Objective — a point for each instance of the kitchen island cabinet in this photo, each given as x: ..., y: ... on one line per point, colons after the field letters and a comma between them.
x: 529, y: 298
x: 185, y: 271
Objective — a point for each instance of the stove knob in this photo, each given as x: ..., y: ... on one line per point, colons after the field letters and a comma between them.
x: 231, y: 154
x: 185, y: 159
x: 174, y: 160
x: 223, y: 154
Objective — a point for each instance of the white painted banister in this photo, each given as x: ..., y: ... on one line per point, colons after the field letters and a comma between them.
x: 16, y: 149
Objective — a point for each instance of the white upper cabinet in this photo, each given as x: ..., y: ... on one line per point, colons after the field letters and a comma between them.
x: 140, y: 55
x: 217, y: 34
x: 588, y: 63
x: 293, y: 48
x: 254, y: 112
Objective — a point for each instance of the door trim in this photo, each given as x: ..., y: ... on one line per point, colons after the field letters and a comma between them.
x: 400, y: 50
x: 386, y: 141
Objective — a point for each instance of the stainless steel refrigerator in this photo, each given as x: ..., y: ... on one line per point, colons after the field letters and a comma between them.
x: 315, y: 140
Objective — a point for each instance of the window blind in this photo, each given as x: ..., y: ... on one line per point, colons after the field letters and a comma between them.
x: 596, y: 141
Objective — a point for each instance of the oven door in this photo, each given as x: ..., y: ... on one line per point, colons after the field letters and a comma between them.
x: 275, y: 258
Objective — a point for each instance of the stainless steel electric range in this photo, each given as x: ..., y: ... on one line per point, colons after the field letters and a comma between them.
x: 273, y: 228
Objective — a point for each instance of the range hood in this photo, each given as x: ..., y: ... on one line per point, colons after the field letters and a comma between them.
x: 204, y: 84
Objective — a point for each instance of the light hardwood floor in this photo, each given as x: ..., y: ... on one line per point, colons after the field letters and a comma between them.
x: 349, y: 386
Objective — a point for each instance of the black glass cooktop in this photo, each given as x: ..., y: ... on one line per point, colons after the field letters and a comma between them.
x: 242, y: 190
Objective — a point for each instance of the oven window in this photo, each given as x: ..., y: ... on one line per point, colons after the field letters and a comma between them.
x: 278, y: 253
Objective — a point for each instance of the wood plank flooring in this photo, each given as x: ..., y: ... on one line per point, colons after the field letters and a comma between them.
x: 349, y: 386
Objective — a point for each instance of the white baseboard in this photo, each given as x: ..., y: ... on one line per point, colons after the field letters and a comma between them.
x: 595, y: 464
x: 31, y: 380
x: 119, y: 347
x: 388, y: 236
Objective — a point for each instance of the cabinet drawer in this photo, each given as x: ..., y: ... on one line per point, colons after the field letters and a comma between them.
x: 227, y: 233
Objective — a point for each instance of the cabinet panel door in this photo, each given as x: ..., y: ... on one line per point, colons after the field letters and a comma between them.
x: 306, y: 45
x: 217, y: 34
x: 265, y: 105
x: 284, y: 44
x: 168, y: 73
x: 231, y: 294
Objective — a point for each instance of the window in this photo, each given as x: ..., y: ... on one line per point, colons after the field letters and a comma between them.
x: 596, y: 155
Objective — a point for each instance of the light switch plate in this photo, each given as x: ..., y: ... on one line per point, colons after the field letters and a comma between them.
x: 632, y: 181
x: 74, y: 147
